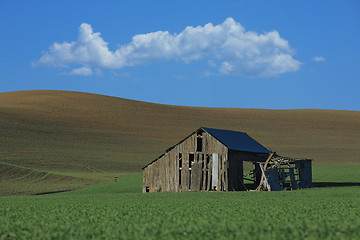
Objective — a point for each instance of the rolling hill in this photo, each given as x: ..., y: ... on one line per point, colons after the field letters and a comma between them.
x: 82, y: 134
x: 15, y: 180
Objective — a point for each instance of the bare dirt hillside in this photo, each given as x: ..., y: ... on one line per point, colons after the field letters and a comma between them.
x: 76, y: 132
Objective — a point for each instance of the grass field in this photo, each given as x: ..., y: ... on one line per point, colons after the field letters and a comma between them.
x: 119, y: 211
x: 94, y: 138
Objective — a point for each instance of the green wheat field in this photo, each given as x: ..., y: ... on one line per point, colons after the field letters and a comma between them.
x: 120, y: 211
x: 76, y: 144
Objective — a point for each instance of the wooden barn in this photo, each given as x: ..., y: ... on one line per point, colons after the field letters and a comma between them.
x: 212, y: 160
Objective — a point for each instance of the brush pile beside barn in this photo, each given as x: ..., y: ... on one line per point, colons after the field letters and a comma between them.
x: 213, y: 160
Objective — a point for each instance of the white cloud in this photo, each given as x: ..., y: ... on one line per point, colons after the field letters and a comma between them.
x: 237, y: 51
x: 83, y: 71
x: 319, y: 59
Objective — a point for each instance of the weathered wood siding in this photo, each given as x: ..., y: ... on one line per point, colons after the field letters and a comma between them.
x: 187, y: 167
x: 305, y: 173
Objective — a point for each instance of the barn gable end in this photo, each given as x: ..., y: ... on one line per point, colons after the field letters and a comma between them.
x: 187, y: 166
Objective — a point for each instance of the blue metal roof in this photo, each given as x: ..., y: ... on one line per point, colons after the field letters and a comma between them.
x: 239, y: 141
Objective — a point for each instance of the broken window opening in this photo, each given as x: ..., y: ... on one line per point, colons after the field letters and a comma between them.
x: 191, y: 160
x: 199, y: 144
x: 180, y: 160
x: 147, y: 189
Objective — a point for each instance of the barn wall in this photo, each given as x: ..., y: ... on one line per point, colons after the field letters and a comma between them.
x: 195, y: 171
x: 305, y: 173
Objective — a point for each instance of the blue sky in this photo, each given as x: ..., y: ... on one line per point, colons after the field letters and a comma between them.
x: 239, y: 54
